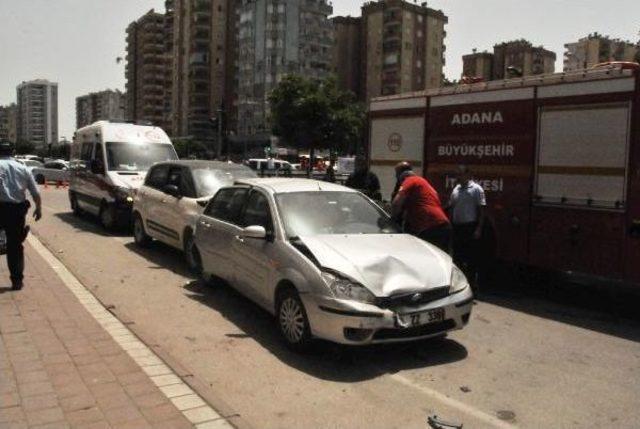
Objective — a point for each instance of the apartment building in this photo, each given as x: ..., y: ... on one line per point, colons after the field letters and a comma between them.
x: 145, y: 70
x: 509, y: 59
x: 199, y: 66
x: 96, y: 106
x: 37, y: 112
x: 521, y: 57
x: 478, y: 65
x: 276, y: 39
x: 9, y: 122
x: 347, y: 53
x: 403, y: 47
x: 595, y: 49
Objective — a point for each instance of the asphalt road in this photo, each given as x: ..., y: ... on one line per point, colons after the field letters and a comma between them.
x: 522, y: 361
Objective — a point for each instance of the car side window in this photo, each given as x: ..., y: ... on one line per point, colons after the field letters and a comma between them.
x: 187, y: 185
x: 257, y: 212
x: 175, y: 178
x: 157, y: 177
x: 227, y: 205
x: 85, y: 153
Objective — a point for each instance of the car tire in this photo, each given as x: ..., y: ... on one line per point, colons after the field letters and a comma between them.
x: 192, y: 254
x: 107, y: 217
x: 75, y: 208
x: 140, y: 236
x: 40, y: 179
x: 293, y: 322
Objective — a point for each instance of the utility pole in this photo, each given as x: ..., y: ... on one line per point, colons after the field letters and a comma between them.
x: 219, y: 147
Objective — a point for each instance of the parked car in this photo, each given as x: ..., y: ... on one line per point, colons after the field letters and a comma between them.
x: 30, y: 163
x: 260, y: 164
x: 174, y: 194
x: 329, y: 263
x: 109, y: 161
x: 51, y: 171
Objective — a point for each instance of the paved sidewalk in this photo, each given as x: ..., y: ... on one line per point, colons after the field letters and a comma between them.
x: 60, y: 368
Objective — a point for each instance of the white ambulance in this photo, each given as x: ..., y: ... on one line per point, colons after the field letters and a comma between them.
x: 109, y: 161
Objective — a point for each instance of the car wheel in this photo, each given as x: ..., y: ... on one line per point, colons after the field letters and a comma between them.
x: 107, y: 216
x: 192, y: 255
x: 40, y: 179
x: 292, y: 320
x: 140, y: 236
x: 73, y: 199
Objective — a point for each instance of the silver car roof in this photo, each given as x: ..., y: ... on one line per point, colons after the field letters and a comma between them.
x: 285, y: 185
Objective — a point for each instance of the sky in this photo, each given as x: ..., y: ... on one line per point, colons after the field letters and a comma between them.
x: 76, y: 42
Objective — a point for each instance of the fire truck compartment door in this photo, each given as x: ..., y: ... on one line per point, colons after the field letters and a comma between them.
x: 583, y: 155
x: 395, y: 139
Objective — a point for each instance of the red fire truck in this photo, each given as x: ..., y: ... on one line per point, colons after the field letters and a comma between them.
x: 558, y: 156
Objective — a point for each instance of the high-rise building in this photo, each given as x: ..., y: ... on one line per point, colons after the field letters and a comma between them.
x: 276, y: 39
x: 199, y: 66
x: 403, y: 47
x: 595, y: 49
x: 9, y: 122
x: 145, y: 71
x: 96, y: 106
x: 38, y: 112
x: 347, y: 59
x: 520, y: 57
x: 478, y: 65
x: 509, y: 59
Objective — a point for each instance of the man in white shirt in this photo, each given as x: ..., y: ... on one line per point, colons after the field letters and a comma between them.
x: 15, y: 180
x: 467, y: 211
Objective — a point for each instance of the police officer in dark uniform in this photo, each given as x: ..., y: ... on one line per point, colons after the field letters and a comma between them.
x: 364, y: 180
x: 15, y: 180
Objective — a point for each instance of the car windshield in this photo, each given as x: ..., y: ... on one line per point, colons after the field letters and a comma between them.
x: 137, y: 157
x: 316, y: 213
x: 208, y: 181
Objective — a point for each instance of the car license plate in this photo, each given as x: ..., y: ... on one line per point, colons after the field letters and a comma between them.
x: 422, y: 318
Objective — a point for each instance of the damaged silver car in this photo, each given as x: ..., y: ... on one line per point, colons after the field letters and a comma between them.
x: 329, y: 263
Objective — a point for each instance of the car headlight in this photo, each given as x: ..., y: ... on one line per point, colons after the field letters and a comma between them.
x: 459, y: 281
x: 124, y: 194
x: 343, y: 288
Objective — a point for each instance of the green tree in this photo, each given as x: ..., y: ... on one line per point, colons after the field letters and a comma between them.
x: 187, y: 147
x: 312, y: 114
x: 25, y: 148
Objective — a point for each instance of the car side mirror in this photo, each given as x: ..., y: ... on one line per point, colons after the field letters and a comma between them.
x: 254, y: 231
x: 172, y: 190
x: 96, y: 167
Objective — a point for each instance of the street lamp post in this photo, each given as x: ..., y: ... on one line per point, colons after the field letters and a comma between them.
x: 219, y: 146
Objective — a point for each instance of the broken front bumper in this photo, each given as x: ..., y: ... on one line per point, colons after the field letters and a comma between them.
x: 350, y: 322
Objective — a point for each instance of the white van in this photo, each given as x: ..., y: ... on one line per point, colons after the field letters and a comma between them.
x: 109, y: 161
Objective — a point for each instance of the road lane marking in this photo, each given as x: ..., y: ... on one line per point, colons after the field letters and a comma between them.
x: 454, y: 403
x: 201, y: 415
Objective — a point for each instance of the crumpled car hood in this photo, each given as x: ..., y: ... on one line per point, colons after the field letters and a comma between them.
x: 387, y: 264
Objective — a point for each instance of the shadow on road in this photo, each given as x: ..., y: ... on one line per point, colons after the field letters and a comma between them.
x: 602, y: 309
x: 326, y: 360
x: 162, y: 256
x: 88, y: 223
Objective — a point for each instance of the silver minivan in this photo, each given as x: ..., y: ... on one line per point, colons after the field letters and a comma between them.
x: 329, y: 263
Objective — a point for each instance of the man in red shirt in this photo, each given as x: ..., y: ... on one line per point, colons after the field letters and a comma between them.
x: 418, y: 201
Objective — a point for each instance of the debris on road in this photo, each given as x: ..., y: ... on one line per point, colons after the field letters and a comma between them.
x: 436, y: 423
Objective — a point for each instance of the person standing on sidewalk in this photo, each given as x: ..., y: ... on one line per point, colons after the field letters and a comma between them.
x: 364, y: 180
x: 467, y: 207
x: 15, y: 180
x: 417, y: 202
